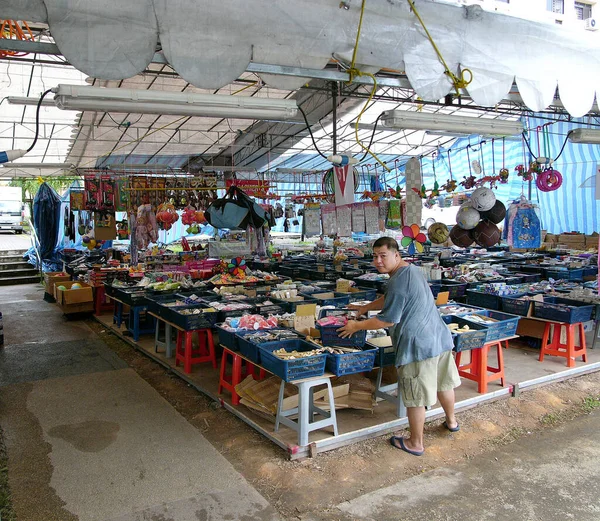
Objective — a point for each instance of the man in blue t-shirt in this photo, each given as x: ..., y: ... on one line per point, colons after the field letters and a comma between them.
x: 426, y: 368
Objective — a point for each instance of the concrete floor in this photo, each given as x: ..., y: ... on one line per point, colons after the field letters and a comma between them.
x: 12, y: 241
x: 88, y: 439
x: 539, y: 478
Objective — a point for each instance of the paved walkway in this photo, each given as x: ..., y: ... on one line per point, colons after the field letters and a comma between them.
x: 89, y: 440
x: 12, y: 241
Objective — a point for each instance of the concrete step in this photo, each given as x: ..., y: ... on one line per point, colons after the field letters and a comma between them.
x: 11, y: 258
x: 5, y: 253
x: 11, y: 281
x: 14, y: 265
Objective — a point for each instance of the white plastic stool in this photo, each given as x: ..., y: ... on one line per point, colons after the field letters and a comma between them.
x: 384, y: 392
x: 168, y: 338
x: 306, y: 409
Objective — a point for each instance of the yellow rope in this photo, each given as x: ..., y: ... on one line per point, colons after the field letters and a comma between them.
x: 244, y: 88
x: 366, y: 149
x: 353, y: 72
x: 459, y: 83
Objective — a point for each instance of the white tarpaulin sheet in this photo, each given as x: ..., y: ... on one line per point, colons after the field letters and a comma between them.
x: 210, y: 43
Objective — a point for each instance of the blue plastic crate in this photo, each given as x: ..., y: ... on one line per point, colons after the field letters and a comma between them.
x: 473, y: 339
x: 506, y: 325
x: 228, y: 338
x: 289, y: 370
x: 484, y: 300
x: 340, y: 300
x: 563, y: 310
x: 330, y: 337
x: 590, y: 271
x: 568, y: 274
x: 435, y: 288
x: 249, y: 348
x: 361, y: 294
x: 468, y: 309
x: 290, y: 307
x: 515, y: 305
x: 386, y: 355
x: 351, y: 363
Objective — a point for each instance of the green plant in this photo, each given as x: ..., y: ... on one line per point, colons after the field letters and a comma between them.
x: 30, y: 187
x: 550, y: 419
x: 590, y: 403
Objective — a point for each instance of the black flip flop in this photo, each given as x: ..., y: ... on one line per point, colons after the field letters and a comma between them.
x: 404, y: 447
x: 451, y: 429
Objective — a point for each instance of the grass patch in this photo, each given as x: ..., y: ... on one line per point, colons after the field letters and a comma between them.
x: 552, y: 418
x: 6, y: 510
x: 590, y: 403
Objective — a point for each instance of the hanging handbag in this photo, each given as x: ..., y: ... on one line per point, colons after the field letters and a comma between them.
x: 235, y: 211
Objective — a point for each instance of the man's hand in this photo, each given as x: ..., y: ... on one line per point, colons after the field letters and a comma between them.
x: 360, y: 310
x: 349, y: 329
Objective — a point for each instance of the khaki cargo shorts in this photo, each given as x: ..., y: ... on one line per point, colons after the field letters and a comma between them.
x: 419, y: 382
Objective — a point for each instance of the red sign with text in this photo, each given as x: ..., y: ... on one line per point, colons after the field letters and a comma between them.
x: 252, y: 187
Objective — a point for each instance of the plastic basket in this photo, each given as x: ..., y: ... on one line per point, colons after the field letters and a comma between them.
x: 484, y: 300
x: 362, y: 294
x: 386, y: 355
x: 435, y: 288
x: 590, y: 271
x: 468, y: 311
x: 290, y: 306
x: 339, y: 300
x: 250, y: 348
x: 568, y: 274
x: 563, y: 310
x: 506, y: 325
x: 529, y: 278
x: 351, y: 363
x: 473, y: 339
x: 330, y: 337
x: 229, y: 339
x: 515, y: 305
x: 190, y: 322
x: 289, y: 370
x: 455, y: 289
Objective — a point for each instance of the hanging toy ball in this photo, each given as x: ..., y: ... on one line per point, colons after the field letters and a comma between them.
x: 482, y: 199
x: 496, y: 214
x: 486, y: 234
x: 461, y: 237
x: 438, y: 233
x: 467, y: 218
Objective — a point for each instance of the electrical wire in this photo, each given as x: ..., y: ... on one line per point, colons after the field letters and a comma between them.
x: 37, y: 119
x: 310, y: 132
x: 559, y: 154
x: 372, y: 137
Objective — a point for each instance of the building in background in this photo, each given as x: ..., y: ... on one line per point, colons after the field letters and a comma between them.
x: 575, y: 14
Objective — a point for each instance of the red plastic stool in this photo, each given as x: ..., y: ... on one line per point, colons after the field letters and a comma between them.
x: 228, y: 381
x: 188, y: 355
x: 478, y: 369
x: 566, y: 349
x: 100, y: 303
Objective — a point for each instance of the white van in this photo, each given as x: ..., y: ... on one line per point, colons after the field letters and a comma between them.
x: 12, y: 210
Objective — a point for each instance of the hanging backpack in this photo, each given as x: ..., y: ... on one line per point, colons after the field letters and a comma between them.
x: 235, y: 211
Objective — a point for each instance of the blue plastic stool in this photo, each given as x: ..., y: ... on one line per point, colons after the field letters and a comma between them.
x: 306, y: 409
x: 134, y: 326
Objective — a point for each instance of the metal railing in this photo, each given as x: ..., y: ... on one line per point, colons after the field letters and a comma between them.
x: 35, y: 243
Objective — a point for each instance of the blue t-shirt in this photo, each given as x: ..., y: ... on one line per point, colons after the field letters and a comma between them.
x: 419, y: 332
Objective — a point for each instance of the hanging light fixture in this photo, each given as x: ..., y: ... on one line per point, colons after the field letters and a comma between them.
x: 588, y: 136
x: 400, y: 119
x: 82, y: 97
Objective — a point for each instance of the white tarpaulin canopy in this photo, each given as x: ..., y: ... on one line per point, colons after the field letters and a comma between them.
x: 211, y: 43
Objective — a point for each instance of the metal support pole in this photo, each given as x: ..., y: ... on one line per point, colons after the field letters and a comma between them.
x: 334, y: 94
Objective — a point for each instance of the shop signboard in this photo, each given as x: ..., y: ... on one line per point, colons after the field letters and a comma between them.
x: 252, y: 187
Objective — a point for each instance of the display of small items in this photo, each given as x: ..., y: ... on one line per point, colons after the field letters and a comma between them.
x: 99, y: 192
x: 476, y: 220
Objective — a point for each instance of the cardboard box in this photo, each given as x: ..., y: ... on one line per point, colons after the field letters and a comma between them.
x: 304, y: 321
x: 74, y: 300
x: 52, y: 277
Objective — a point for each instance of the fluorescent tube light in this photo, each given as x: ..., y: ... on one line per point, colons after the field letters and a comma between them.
x: 227, y: 169
x: 74, y: 97
x: 53, y: 166
x: 297, y: 171
x: 425, y: 121
x: 21, y: 100
x: 585, y: 136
